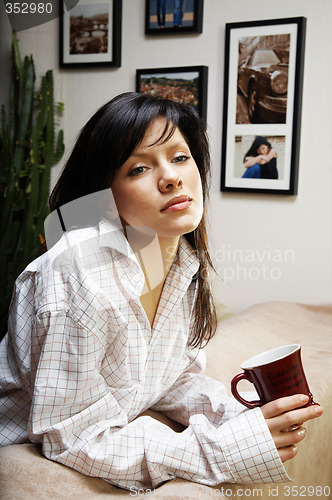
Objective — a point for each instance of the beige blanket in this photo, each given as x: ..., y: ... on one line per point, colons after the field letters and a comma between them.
x: 25, y: 474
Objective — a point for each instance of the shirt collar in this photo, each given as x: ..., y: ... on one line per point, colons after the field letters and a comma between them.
x: 111, y: 235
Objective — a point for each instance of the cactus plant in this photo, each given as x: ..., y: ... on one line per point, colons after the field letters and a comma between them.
x: 27, y: 152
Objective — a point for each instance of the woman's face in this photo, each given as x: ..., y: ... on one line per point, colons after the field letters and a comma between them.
x: 159, y: 186
x: 263, y: 149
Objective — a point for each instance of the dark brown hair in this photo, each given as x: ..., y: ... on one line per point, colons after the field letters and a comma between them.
x: 103, y: 146
x: 258, y: 141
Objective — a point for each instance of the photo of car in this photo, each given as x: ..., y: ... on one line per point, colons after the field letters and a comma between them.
x: 263, y: 82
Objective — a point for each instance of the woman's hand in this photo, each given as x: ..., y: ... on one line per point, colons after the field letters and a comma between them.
x: 285, y: 419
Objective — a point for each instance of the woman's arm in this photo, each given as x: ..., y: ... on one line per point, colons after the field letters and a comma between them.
x: 249, y: 161
x: 235, y: 430
x: 195, y: 392
x: 266, y: 158
x: 80, y: 423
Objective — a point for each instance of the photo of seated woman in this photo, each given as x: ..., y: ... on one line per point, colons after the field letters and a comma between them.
x: 259, y: 157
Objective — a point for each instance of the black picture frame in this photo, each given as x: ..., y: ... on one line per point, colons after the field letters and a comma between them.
x: 173, y: 20
x: 186, y: 84
x: 82, y: 50
x: 263, y: 59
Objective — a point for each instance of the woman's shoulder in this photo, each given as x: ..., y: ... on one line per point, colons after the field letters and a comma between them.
x: 52, y: 269
x: 62, y: 251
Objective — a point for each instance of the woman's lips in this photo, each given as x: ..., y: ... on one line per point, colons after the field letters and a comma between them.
x: 177, y: 203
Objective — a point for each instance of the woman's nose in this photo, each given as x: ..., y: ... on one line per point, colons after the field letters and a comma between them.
x: 169, y: 179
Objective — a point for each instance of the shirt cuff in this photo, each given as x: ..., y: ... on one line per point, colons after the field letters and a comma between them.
x: 249, y: 449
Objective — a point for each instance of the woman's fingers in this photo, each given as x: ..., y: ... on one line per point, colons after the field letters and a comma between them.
x: 293, y: 418
x: 291, y: 438
x: 289, y: 411
x: 284, y: 418
x: 279, y: 406
x: 287, y: 453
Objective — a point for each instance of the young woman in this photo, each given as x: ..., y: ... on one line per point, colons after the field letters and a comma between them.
x: 261, y: 160
x: 112, y: 319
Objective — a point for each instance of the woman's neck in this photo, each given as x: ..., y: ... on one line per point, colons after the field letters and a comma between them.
x: 154, y: 253
x: 155, y: 256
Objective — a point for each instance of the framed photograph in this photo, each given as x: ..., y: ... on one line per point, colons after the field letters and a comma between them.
x: 90, y: 34
x: 186, y: 84
x: 262, y: 105
x: 173, y: 16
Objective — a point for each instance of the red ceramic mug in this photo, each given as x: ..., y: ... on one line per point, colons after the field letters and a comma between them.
x: 275, y: 374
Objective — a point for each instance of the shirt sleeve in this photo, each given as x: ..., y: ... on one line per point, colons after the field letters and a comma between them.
x: 80, y: 424
x: 194, y: 393
x: 244, y: 440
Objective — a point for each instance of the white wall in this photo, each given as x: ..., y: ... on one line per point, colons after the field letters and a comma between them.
x: 265, y: 247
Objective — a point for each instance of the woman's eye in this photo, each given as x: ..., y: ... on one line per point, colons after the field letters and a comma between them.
x: 138, y: 171
x: 180, y: 159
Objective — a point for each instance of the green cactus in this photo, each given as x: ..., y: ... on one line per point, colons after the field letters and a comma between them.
x: 28, y: 150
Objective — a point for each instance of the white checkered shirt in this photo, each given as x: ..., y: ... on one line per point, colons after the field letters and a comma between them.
x: 81, y: 362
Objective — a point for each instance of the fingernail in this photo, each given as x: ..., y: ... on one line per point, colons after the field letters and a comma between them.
x: 319, y: 410
x: 304, y: 398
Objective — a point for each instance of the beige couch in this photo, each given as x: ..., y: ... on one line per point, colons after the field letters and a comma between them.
x: 25, y: 474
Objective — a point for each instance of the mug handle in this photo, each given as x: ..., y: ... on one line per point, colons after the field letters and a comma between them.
x: 234, y: 382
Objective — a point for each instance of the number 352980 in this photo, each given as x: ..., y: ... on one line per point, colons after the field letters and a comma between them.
x: 28, y: 8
